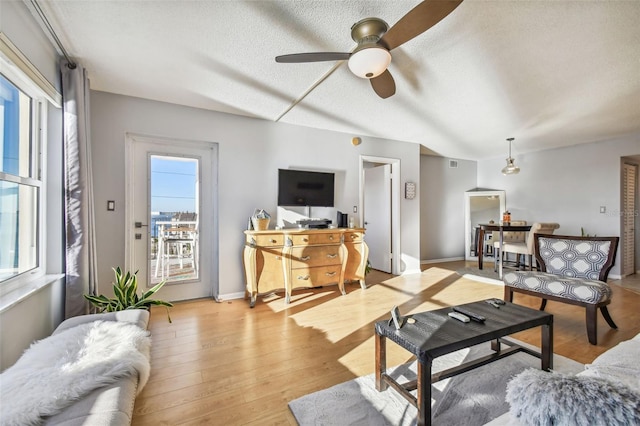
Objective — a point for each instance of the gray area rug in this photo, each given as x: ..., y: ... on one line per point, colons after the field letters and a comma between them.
x: 473, y: 398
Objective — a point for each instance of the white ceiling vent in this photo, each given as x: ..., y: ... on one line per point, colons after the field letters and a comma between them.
x: 453, y: 164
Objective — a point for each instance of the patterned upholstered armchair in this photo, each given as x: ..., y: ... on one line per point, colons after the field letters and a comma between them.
x: 573, y: 270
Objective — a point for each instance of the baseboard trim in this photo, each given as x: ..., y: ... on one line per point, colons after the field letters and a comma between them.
x: 230, y: 296
x: 448, y: 259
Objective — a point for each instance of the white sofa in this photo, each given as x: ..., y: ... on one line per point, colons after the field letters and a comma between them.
x: 110, y: 404
x: 616, y: 372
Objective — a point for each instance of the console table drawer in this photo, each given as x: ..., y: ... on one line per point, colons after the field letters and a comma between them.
x: 267, y: 240
x: 315, y: 256
x: 353, y: 237
x: 317, y: 276
x: 319, y: 238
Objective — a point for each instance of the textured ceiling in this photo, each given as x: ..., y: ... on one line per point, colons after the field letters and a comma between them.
x: 549, y: 73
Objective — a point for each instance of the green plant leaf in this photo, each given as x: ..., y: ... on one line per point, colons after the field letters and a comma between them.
x: 153, y: 289
x: 125, y: 289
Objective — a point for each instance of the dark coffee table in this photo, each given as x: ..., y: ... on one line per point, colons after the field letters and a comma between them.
x: 435, y: 334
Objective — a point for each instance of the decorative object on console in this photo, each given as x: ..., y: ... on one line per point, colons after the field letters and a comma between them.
x: 260, y: 220
x: 510, y: 168
x: 125, y: 289
x: 342, y: 220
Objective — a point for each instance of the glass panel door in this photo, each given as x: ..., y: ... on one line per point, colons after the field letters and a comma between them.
x: 174, y: 219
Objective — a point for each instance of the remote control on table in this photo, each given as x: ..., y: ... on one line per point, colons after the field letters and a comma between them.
x: 475, y: 317
x: 459, y: 316
x: 499, y: 301
x: 493, y: 303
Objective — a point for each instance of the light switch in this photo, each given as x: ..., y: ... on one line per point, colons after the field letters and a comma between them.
x: 111, y: 205
x: 603, y: 209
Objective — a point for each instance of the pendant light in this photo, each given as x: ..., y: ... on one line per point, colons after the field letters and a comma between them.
x: 510, y: 168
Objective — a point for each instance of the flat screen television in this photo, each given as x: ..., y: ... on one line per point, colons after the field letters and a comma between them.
x: 304, y: 188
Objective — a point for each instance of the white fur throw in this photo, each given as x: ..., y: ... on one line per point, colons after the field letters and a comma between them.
x: 544, y: 399
x: 62, y: 368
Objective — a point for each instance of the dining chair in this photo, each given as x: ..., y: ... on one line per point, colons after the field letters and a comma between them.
x: 526, y: 247
x: 507, y: 237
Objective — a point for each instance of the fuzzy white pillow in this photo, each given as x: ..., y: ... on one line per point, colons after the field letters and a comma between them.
x: 543, y: 399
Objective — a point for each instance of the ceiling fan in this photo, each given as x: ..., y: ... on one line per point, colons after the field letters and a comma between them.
x: 375, y: 39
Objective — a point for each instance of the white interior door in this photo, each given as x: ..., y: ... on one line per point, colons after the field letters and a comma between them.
x: 170, y: 206
x: 377, y: 215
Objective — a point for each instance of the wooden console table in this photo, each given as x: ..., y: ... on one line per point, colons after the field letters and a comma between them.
x: 294, y: 258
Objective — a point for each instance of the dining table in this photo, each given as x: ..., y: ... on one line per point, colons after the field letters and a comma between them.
x: 501, y: 228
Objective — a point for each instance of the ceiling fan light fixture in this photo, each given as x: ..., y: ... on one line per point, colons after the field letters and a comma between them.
x: 369, y: 62
x: 510, y: 168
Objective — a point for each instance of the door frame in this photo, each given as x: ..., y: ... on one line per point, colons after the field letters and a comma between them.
x: 395, y: 204
x: 212, y: 174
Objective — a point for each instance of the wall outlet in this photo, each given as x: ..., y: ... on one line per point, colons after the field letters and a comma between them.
x: 355, y: 209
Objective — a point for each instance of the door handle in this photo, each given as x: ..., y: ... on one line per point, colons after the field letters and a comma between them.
x: 139, y: 225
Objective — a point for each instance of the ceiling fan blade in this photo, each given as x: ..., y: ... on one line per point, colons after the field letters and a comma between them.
x: 418, y: 20
x: 384, y: 85
x: 313, y: 57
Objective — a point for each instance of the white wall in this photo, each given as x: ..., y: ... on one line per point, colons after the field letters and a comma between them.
x: 250, y: 153
x: 442, y: 206
x: 37, y: 316
x: 22, y: 29
x: 567, y: 186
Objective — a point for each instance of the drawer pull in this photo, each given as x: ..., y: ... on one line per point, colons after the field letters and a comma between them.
x: 306, y: 240
x: 331, y: 237
x: 273, y: 241
x: 306, y: 277
x: 305, y: 258
x: 332, y: 256
x: 354, y: 236
x: 330, y: 274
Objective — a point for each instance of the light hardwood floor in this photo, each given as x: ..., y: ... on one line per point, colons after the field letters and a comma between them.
x: 226, y: 364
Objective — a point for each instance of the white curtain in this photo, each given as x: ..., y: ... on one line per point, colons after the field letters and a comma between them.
x: 81, y: 264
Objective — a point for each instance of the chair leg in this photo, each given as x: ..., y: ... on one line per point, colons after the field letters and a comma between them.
x: 530, y: 262
x: 592, y: 324
x: 607, y: 317
x: 543, y: 304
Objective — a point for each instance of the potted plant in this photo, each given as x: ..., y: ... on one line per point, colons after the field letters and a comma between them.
x: 125, y: 289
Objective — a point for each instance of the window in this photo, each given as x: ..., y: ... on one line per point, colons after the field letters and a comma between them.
x: 21, y: 185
